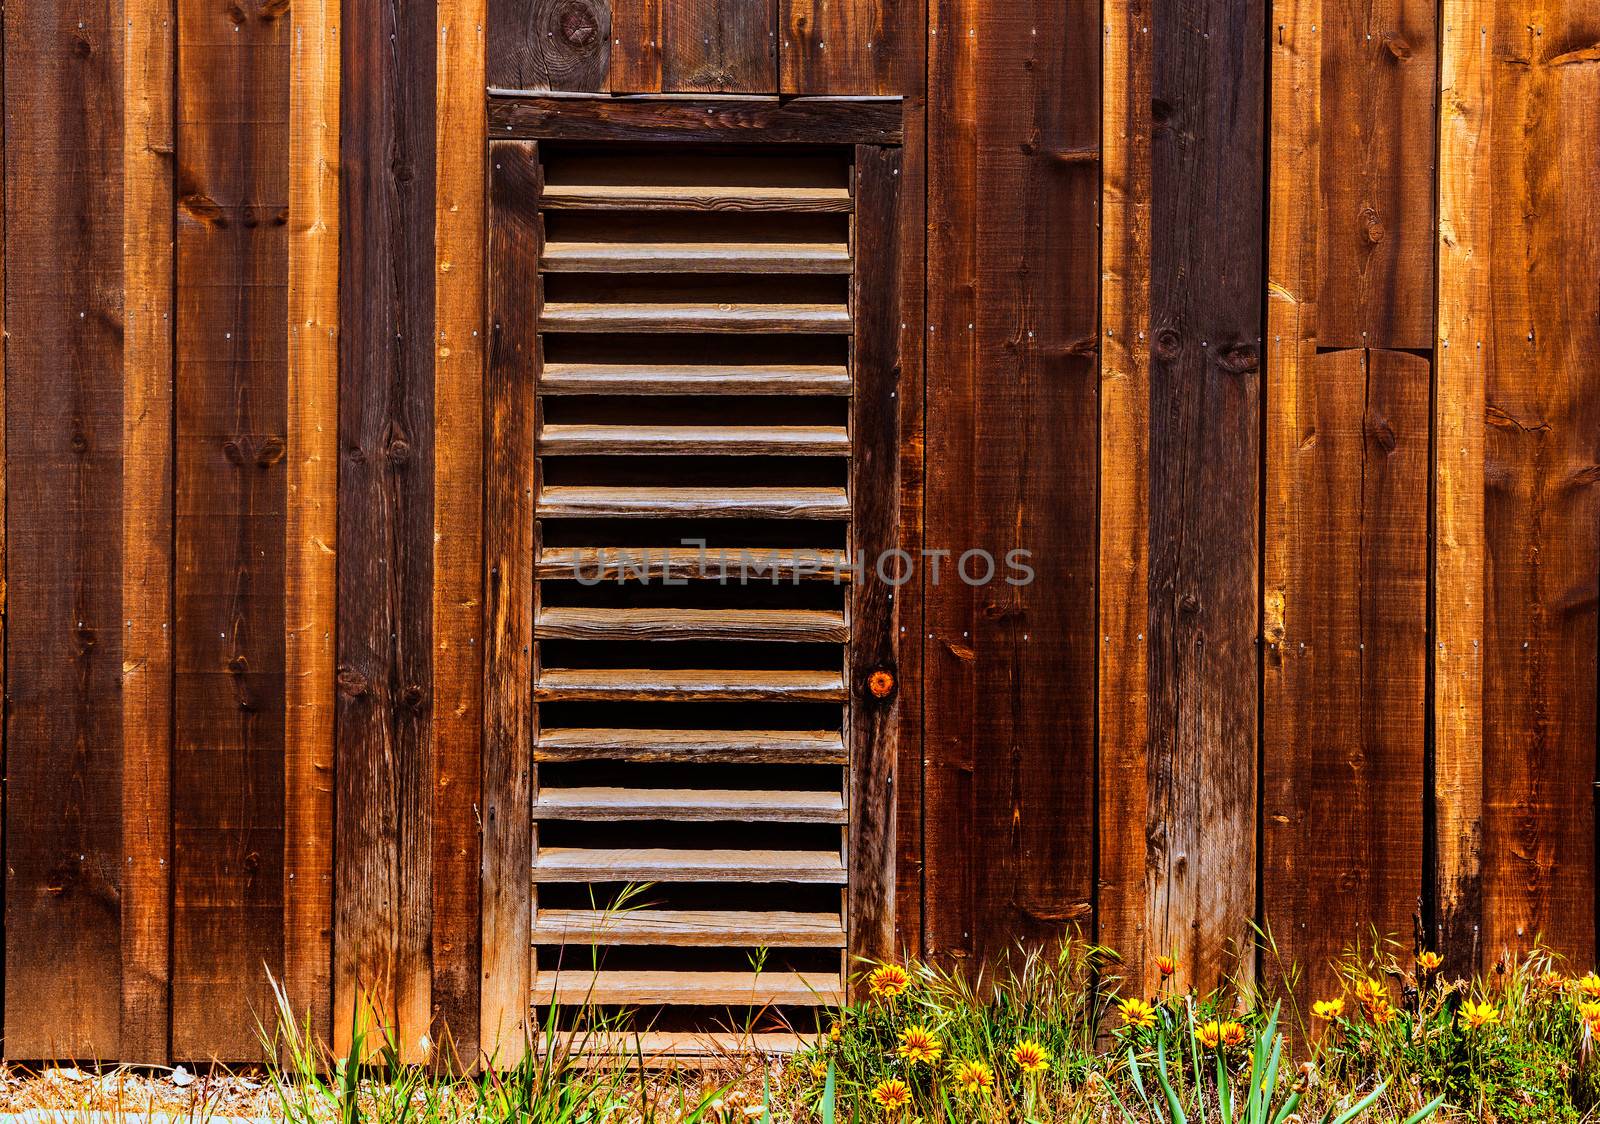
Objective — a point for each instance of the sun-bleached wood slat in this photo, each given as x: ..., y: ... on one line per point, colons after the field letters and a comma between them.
x: 693, y: 378
x: 695, y: 257
x: 764, y: 747
x: 597, y: 502
x: 693, y: 316
x: 794, y: 625
x: 666, y: 864
x: 655, y: 564
x: 693, y: 804
x: 757, y: 989
x: 694, y: 197
x: 694, y: 440
x: 654, y: 685
x: 704, y: 928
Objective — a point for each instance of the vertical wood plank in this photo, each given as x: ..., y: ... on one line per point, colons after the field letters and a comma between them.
x: 854, y: 46
x: 383, y: 714
x: 874, y: 531
x: 514, y: 185
x: 147, y: 528
x: 635, y: 64
x: 1376, y: 183
x: 549, y: 44
x: 1014, y: 112
x: 232, y: 246
x: 1123, y: 681
x: 720, y: 46
x: 1346, y: 661
x: 64, y: 446
x: 460, y: 235
x: 1206, y: 293
x: 309, y: 562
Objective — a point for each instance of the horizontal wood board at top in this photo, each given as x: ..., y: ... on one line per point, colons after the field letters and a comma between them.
x: 702, y: 120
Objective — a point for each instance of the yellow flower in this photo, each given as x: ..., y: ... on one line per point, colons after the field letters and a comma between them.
x: 892, y: 1095
x: 919, y: 1044
x: 1478, y: 1015
x: 1381, y: 1012
x: 1590, y: 985
x: 1369, y: 990
x: 1030, y: 1056
x: 1429, y: 961
x: 1138, y: 1013
x: 835, y: 1030
x: 1166, y: 965
x: 1329, y: 1009
x: 973, y: 1078
x: 1209, y: 1034
x: 888, y: 981
x: 1589, y: 1012
x: 819, y: 1070
x: 1552, y: 981
x: 1233, y: 1034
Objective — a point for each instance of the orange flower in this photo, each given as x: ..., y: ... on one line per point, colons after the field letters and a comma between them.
x: 919, y: 1044
x: 1381, y: 1012
x: 1589, y: 1012
x: 1429, y: 961
x: 1209, y: 1034
x: 892, y: 1095
x: 1138, y: 1013
x: 973, y: 1079
x: 1233, y: 1034
x: 1030, y: 1056
x: 1590, y: 985
x: 888, y: 981
x: 1167, y: 966
x: 1328, y: 1009
x: 1552, y: 981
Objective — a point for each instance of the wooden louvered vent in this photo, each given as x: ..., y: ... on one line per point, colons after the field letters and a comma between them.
x: 714, y: 437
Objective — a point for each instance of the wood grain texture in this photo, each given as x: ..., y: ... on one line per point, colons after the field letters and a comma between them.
x: 719, y: 46
x: 1123, y: 681
x: 703, y: 120
x: 1014, y: 110
x: 148, y: 273
x: 874, y: 532
x: 460, y: 239
x: 852, y: 46
x: 1205, y: 385
x: 1541, y: 501
x: 383, y: 714
x: 549, y: 44
x: 509, y: 483
x: 310, y: 573
x: 232, y: 247
x: 64, y: 417
x: 1344, y: 702
x: 1377, y: 80
x: 635, y: 64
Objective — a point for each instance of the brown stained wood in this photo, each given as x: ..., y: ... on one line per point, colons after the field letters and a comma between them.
x: 460, y: 239
x: 1207, y: 150
x: 1377, y: 81
x: 743, y: 989
x: 1009, y: 671
x: 841, y: 120
x: 658, y: 564
x: 634, y: 378
x: 688, y: 804
x: 1344, y: 708
x: 1123, y: 702
x: 64, y: 418
x: 696, y: 197
x: 635, y: 66
x: 592, y: 502
x: 579, y: 864
x: 509, y: 480
x: 384, y: 705
x: 694, y: 257
x: 676, y: 440
x: 311, y: 530
x: 794, y: 625
x: 768, y: 747
x: 873, y: 718
x: 233, y: 78
x: 715, y: 928
x: 651, y: 685
x: 1541, y: 366
x: 719, y: 46
x: 670, y: 316
x: 549, y: 44
x: 851, y: 46
x: 147, y: 530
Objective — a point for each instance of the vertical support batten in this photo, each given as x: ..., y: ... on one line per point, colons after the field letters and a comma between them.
x: 309, y: 557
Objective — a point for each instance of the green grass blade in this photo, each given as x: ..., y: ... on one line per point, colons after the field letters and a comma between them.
x: 1360, y: 1106
x: 1426, y: 1110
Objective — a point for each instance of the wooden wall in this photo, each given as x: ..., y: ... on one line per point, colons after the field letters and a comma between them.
x: 1299, y: 424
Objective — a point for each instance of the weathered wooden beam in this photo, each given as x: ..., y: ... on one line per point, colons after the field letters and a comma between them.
x: 514, y: 115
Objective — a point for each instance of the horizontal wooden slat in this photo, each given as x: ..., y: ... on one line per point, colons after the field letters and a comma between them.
x: 636, y: 378
x: 516, y: 114
x: 647, y: 864
x: 690, y: 563
x: 767, y: 747
x: 664, y: 1048
x: 695, y: 804
x: 693, y: 316
x: 800, y: 625
x: 693, y: 197
x: 756, y: 989
x: 707, y: 928
x: 595, y: 502
x: 695, y: 257
x: 652, y: 685
x: 694, y: 440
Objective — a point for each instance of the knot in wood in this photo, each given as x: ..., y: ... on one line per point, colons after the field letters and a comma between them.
x: 412, y: 697
x: 881, y: 683
x: 80, y: 443
x: 238, y: 665
x: 352, y: 684
x: 1240, y: 359
x: 271, y: 451
x: 1380, y: 433
x: 1398, y: 47
x: 1168, y: 344
x: 578, y: 26
x: 86, y: 637
x: 1372, y: 226
x: 398, y: 450
x: 252, y: 862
